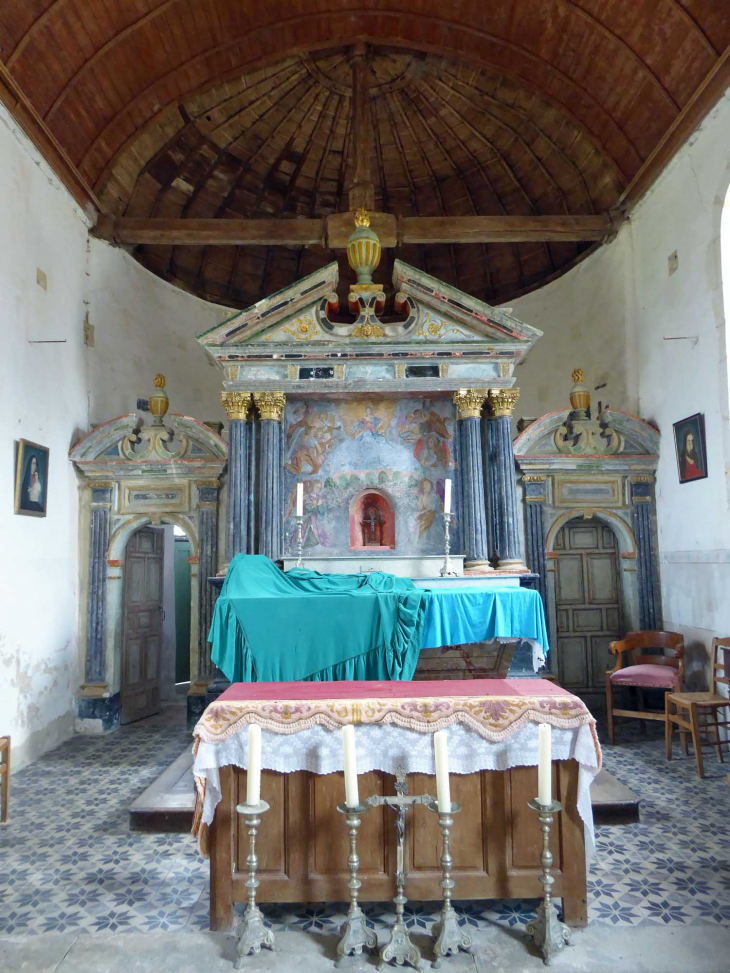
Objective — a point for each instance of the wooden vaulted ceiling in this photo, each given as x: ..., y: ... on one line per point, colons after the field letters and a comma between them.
x: 230, y: 108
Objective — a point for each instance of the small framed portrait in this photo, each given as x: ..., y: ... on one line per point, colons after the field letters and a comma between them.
x: 689, y: 443
x: 31, y: 479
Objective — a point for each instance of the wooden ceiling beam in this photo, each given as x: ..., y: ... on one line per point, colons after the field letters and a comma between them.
x: 332, y: 232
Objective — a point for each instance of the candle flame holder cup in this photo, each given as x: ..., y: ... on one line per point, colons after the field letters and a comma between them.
x: 450, y: 936
x: 355, y: 932
x: 548, y: 933
x: 253, y: 933
x: 447, y: 571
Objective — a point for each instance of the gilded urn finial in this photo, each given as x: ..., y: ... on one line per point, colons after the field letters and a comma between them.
x: 159, y: 402
x: 363, y: 249
x: 580, y: 397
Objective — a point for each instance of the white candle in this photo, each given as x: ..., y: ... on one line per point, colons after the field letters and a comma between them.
x: 253, y: 775
x: 300, y: 499
x: 352, y: 798
x: 443, y: 788
x: 544, y: 765
x: 447, y: 496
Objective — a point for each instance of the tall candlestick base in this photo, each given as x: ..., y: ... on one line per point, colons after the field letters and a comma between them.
x: 548, y: 933
x: 355, y: 932
x: 399, y: 949
x: 450, y: 937
x: 447, y: 571
x: 300, y: 540
x: 253, y: 934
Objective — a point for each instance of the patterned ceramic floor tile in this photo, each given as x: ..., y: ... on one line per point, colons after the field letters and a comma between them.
x: 68, y: 861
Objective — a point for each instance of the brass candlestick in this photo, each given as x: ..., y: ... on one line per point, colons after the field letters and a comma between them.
x: 447, y: 571
x: 450, y: 937
x: 253, y: 933
x: 548, y: 933
x: 355, y: 932
x: 300, y: 540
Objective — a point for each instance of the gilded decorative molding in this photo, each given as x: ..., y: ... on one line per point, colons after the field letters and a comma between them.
x: 236, y: 404
x: 534, y: 477
x: 469, y: 403
x: 270, y: 404
x: 159, y: 402
x: 213, y: 484
x: 368, y: 330
x: 502, y: 402
x: 504, y: 368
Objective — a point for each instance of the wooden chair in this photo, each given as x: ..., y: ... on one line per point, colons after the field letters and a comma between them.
x: 645, y: 671
x: 4, y: 779
x: 677, y: 704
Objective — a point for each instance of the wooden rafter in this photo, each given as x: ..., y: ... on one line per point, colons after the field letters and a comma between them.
x: 333, y: 231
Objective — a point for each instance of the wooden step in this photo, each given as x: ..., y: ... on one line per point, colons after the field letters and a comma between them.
x: 167, y: 804
x: 612, y: 801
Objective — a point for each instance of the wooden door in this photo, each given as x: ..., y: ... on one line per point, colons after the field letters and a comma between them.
x: 142, y: 656
x: 588, y: 604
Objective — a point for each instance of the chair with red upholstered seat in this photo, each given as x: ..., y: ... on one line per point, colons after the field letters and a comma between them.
x: 644, y: 671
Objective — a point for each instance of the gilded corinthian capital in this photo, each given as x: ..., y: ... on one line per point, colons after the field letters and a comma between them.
x: 502, y: 402
x: 469, y: 403
x: 236, y: 404
x: 270, y: 404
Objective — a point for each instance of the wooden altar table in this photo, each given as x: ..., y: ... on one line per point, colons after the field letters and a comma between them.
x: 302, y: 842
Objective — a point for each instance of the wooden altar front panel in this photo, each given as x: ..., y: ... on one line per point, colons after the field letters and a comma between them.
x: 303, y: 841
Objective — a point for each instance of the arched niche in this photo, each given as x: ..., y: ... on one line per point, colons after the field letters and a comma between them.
x: 372, y: 521
x: 599, y: 469
x: 133, y: 475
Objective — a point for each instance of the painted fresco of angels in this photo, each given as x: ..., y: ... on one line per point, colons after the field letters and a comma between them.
x: 430, y: 435
x: 310, y: 436
x: 430, y: 503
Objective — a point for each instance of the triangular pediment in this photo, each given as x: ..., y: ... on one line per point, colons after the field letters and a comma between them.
x: 273, y: 312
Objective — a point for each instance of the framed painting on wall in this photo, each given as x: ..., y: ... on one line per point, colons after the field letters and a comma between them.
x: 691, y: 449
x: 31, y: 479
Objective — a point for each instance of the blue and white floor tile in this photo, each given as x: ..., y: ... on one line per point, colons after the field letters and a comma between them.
x: 68, y: 861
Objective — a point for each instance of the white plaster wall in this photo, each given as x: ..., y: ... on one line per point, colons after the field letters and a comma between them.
x: 584, y: 317
x: 683, y: 212
x: 43, y: 399
x: 142, y: 326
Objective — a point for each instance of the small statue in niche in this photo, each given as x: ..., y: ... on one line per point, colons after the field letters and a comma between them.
x: 372, y: 526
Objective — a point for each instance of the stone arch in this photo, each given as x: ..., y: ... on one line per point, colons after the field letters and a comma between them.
x: 114, y: 642
x: 623, y: 531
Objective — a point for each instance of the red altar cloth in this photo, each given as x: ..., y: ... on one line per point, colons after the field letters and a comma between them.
x: 371, y: 689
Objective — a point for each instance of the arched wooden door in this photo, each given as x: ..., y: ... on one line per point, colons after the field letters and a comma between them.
x: 142, y: 656
x: 587, y: 603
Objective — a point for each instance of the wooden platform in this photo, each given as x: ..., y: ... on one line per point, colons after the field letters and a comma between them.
x: 167, y: 805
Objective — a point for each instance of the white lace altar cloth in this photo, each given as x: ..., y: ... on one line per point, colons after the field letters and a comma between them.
x: 390, y: 749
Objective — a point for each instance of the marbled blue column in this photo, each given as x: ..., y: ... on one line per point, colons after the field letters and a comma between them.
x: 472, y: 516
x: 502, y: 481
x: 535, y: 530
x: 238, y: 488
x: 101, y: 499
x: 270, y: 513
x: 251, y: 542
x: 271, y: 409
x: 650, y: 614
x: 207, y: 567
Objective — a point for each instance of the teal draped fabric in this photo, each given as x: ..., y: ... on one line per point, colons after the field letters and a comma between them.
x: 274, y: 627
x: 459, y: 616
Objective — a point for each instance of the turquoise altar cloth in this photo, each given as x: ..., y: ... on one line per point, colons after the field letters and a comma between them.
x: 268, y: 627
x: 274, y: 627
x: 454, y: 616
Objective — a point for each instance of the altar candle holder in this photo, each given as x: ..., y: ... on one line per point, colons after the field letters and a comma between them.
x: 447, y: 571
x: 548, y: 933
x: 355, y: 932
x: 253, y: 933
x: 450, y: 937
x: 300, y: 541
